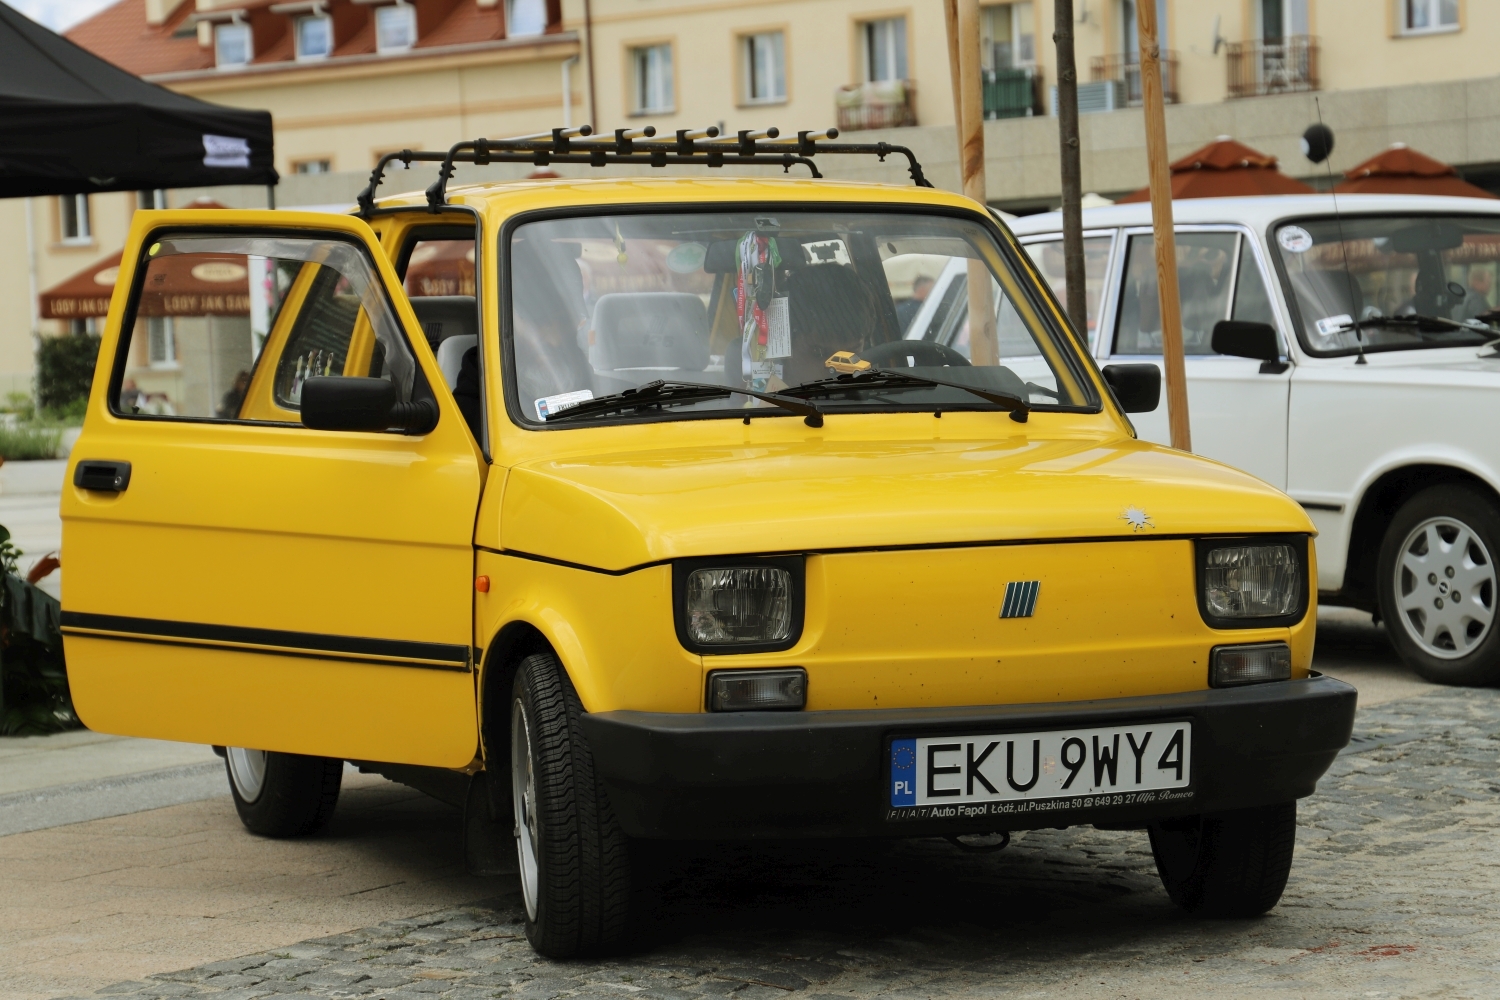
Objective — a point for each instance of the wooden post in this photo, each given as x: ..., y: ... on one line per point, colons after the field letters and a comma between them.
x: 1074, y: 274
x: 983, y: 344
x: 1161, y: 221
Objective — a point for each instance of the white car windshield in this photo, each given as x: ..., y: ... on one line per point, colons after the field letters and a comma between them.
x: 1392, y: 282
x: 777, y: 302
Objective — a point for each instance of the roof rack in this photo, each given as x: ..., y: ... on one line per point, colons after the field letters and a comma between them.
x: 704, y: 147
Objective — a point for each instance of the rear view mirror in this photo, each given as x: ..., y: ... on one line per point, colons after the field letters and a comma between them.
x: 352, y: 403
x: 1137, y: 388
x: 1239, y: 339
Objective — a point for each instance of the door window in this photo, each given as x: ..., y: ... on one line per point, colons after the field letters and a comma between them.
x: 251, y: 319
x: 1205, y: 278
x: 1252, y: 303
x: 1048, y: 257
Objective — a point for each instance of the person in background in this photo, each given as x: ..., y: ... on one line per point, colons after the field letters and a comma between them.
x: 1481, y: 286
x: 229, y: 408
x: 907, y: 309
x: 131, y: 397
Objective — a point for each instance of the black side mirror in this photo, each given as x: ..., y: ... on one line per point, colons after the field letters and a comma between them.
x: 351, y: 403
x: 1239, y: 339
x: 1137, y: 388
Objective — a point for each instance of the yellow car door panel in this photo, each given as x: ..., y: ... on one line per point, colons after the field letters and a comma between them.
x: 259, y: 583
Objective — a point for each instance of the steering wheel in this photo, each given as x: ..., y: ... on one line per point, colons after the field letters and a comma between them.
x: 914, y: 354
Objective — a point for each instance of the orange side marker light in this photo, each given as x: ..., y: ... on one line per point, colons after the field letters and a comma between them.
x: 482, y: 584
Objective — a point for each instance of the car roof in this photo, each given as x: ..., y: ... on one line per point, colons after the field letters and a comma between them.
x: 1258, y: 212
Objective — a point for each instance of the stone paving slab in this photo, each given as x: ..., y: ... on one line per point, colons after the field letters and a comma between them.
x: 1392, y: 894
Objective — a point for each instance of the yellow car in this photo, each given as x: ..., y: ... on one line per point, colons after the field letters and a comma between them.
x: 544, y: 497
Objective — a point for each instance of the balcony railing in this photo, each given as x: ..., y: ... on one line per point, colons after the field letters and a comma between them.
x: 879, y: 104
x: 1273, y: 66
x: 1125, y: 67
x: 1011, y: 93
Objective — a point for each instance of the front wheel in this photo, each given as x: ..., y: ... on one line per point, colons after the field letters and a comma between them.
x: 1232, y: 864
x: 574, y: 862
x: 283, y: 794
x: 1438, y: 585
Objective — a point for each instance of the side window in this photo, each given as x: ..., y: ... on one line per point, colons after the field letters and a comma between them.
x: 1205, y: 273
x: 230, y: 326
x: 1048, y: 257
x: 1252, y: 303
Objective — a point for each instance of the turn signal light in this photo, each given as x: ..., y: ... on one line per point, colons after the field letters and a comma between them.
x: 757, y: 690
x: 1231, y: 666
x: 482, y: 584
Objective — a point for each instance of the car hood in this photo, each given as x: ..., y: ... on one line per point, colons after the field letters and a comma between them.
x: 621, y: 510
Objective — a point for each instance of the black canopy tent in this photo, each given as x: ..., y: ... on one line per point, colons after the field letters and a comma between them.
x: 72, y: 123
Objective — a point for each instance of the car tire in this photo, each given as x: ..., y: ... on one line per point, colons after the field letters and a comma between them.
x: 282, y: 794
x: 1443, y: 640
x: 573, y: 856
x: 1232, y: 864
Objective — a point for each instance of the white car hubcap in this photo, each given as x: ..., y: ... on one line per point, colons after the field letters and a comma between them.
x: 1445, y: 588
x: 523, y: 794
x: 247, y: 769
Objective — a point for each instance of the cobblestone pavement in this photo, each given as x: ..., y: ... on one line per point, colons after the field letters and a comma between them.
x: 1392, y: 894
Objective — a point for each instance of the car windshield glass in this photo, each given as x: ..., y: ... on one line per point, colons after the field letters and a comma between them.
x: 1429, y: 266
x: 771, y: 301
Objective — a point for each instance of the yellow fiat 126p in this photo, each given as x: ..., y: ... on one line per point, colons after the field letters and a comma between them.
x: 645, y: 507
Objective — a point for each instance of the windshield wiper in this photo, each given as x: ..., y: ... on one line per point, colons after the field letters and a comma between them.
x: 664, y: 392
x: 885, y: 378
x: 1420, y: 324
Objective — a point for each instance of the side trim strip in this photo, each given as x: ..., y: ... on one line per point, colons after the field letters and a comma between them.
x: 1309, y: 505
x: 396, y: 652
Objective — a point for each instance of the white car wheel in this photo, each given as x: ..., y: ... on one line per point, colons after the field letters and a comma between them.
x: 1445, y: 588
x: 247, y: 769
x: 523, y: 795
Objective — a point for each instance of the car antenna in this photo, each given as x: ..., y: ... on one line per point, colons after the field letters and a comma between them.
x: 1317, y: 144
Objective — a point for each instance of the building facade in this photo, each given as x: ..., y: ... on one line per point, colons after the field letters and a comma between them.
x: 349, y: 80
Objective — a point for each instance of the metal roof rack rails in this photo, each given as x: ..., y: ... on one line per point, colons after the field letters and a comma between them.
x: 703, y: 147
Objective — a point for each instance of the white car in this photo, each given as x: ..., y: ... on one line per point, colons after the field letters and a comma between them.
x: 1357, y: 371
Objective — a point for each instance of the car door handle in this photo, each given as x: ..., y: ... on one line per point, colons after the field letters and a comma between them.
x: 103, y: 476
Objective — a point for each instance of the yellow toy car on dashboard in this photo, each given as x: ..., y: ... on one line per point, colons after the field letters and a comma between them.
x: 541, y: 496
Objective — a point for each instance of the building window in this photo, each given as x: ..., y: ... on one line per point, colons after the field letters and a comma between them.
x: 525, y: 17
x: 314, y: 37
x: 395, y: 27
x: 232, y: 45
x: 885, y: 49
x: 148, y: 200
x: 88, y: 327
x: 161, y: 342
x: 764, y: 56
x: 73, y: 218
x: 652, y: 65
x: 1007, y: 37
x: 1429, y: 15
x: 312, y: 166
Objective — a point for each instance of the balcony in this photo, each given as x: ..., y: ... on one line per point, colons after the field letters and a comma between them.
x: 878, y: 104
x: 1011, y: 93
x: 1125, y: 68
x: 1273, y: 66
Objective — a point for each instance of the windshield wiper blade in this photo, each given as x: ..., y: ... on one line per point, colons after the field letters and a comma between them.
x: 1420, y: 323
x: 665, y: 392
x: 886, y: 378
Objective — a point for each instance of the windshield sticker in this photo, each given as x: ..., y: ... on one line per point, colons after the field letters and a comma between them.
x: 1330, y: 325
x: 548, y: 405
x: 687, y: 258
x: 1294, y: 239
x: 779, y: 329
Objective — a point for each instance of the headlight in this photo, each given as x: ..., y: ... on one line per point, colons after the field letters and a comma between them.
x: 746, y: 608
x: 1244, y: 584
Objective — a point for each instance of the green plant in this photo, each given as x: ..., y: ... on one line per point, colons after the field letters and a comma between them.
x: 24, y: 442
x: 65, y: 370
x: 19, y: 403
x: 34, y: 695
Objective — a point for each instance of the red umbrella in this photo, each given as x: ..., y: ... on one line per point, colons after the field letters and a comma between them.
x: 1223, y: 169
x: 1403, y: 170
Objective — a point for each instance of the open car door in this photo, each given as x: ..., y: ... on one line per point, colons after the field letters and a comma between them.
x: 234, y: 577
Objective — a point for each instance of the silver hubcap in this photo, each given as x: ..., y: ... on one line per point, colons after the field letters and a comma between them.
x: 247, y: 769
x: 523, y: 794
x: 1445, y: 588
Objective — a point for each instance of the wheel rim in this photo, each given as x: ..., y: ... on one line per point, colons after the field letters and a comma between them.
x: 247, y: 769
x: 523, y: 794
x: 1445, y: 588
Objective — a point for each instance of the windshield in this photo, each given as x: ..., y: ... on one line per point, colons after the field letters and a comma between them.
x: 770, y: 301
x: 1412, y: 266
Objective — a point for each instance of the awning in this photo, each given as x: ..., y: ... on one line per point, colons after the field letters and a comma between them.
x: 200, y: 285
x: 1403, y: 170
x: 1225, y: 169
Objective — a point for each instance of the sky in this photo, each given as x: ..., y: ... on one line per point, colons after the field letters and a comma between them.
x: 59, y: 15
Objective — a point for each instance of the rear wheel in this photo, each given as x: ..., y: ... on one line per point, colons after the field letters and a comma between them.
x: 1438, y: 585
x: 282, y: 794
x: 573, y: 856
x: 1232, y: 864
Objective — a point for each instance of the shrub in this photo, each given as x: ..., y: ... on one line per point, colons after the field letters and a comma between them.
x: 26, y: 442
x: 65, y: 371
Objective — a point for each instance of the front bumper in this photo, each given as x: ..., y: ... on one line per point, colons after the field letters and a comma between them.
x: 824, y: 774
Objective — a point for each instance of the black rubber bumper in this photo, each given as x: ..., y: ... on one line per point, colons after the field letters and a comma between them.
x: 824, y: 774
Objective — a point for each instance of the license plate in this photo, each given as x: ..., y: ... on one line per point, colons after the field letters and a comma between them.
x: 1004, y: 774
